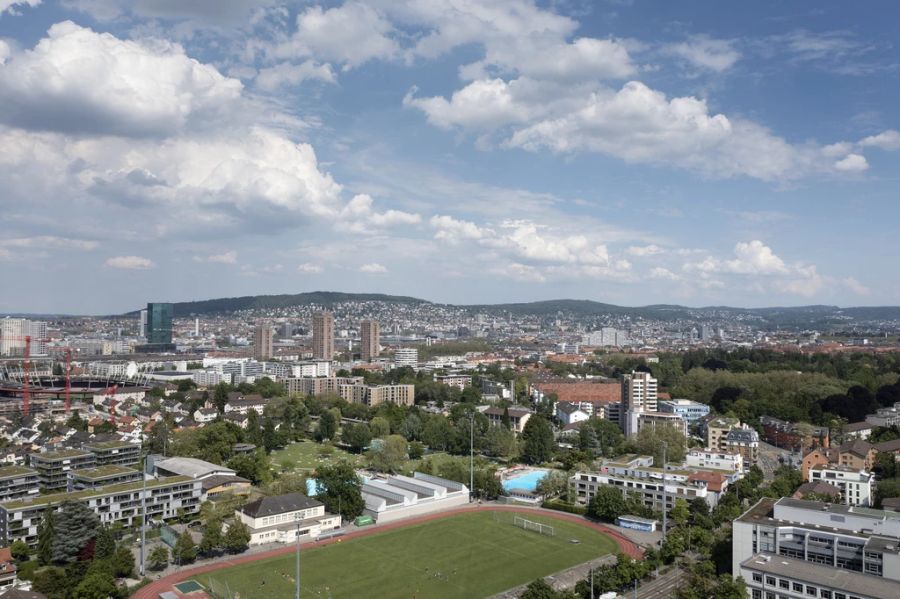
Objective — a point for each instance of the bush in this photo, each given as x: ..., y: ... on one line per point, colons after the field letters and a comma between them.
x: 562, y: 506
x: 26, y: 569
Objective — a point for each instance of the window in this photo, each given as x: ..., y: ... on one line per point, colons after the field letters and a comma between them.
x: 825, y: 594
x: 810, y: 590
x: 757, y: 577
x: 770, y: 580
x: 784, y: 584
x: 797, y: 587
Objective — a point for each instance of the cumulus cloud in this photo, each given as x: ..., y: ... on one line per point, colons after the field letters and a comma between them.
x: 229, y: 257
x: 852, y: 163
x: 360, y: 216
x: 886, y: 140
x: 78, y: 81
x: 130, y: 263
x: 287, y: 74
x: 704, y: 52
x: 643, y: 250
x: 752, y: 257
x: 309, y: 268
x: 452, y: 230
x: 664, y: 274
x: 373, y: 268
x: 13, y: 6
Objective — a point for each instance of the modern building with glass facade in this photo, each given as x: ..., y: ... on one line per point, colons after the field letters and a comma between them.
x: 159, y: 323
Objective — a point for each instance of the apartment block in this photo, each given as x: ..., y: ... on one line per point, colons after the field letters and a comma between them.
x: 727, y: 461
x: 370, y: 337
x: 375, y: 395
x: 53, y: 467
x: 165, y: 498
x: 94, y: 478
x: 518, y: 417
x: 856, y: 486
x: 717, y: 430
x: 745, y: 441
x: 319, y: 385
x: 406, y: 356
x: 796, y: 548
x: 262, y: 342
x: 323, y: 335
x: 120, y: 453
x: 17, y: 481
x: 460, y: 381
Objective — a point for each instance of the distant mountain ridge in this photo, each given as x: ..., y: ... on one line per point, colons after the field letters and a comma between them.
x: 779, y: 316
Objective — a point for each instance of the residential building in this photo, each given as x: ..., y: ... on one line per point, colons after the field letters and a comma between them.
x: 158, y: 329
x: 691, y: 411
x: 319, y: 385
x: 53, y: 467
x: 639, y: 396
x: 593, y: 397
x: 518, y: 417
x: 717, y: 430
x: 796, y: 436
x: 165, y: 498
x: 745, y: 441
x: 886, y: 417
x: 655, y: 420
x: 797, y: 548
x: 262, y: 342
x: 211, y: 378
x: 856, y: 486
x: 370, y: 337
x: 323, y: 335
x: 8, y: 572
x: 93, y: 478
x: 395, y: 497
x: 570, y: 413
x: 857, y: 454
x: 281, y: 518
x: 728, y: 461
x: 857, y: 430
x: 460, y: 381
x: 375, y: 395
x: 406, y: 356
x: 120, y: 453
x: 18, y: 481
x: 13, y: 333
x: 815, y: 457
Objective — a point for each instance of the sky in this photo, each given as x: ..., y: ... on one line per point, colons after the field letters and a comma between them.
x: 462, y: 151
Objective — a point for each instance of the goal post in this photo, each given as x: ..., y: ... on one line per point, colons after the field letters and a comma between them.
x: 538, y: 527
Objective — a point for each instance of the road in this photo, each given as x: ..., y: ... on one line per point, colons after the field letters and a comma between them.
x: 152, y: 590
x: 663, y: 587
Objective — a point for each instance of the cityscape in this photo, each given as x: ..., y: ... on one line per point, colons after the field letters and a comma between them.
x: 449, y: 299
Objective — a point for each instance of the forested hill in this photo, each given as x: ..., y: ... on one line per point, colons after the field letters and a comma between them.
x: 268, y: 302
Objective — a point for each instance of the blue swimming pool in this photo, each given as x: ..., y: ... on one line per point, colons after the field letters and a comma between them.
x: 526, y: 481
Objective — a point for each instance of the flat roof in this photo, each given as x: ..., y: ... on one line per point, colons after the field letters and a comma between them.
x: 13, y: 471
x: 107, y: 471
x: 61, y: 454
x: 46, y: 500
x: 110, y: 444
x: 816, y: 574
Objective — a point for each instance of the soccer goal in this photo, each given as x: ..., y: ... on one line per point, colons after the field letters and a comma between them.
x: 544, y: 529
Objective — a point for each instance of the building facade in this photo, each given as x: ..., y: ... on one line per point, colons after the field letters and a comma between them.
x: 406, y: 356
x: 53, y: 467
x: 691, y: 411
x: 159, y: 323
x: 279, y: 519
x: 370, y: 337
x: 856, y: 486
x: 323, y: 335
x: 263, y: 342
x: 18, y: 481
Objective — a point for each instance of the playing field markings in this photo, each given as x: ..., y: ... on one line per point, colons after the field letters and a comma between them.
x: 538, y: 527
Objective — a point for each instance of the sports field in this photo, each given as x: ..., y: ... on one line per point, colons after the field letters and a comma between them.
x: 464, y: 556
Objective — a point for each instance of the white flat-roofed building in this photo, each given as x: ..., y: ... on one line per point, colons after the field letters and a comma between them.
x: 211, y: 378
x: 406, y: 356
x: 691, y: 411
x: 855, y: 485
x: 395, y: 497
x: 717, y: 460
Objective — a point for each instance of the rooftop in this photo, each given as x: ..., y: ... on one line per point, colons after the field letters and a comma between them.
x: 62, y: 454
x: 279, y: 504
x: 13, y: 471
x: 845, y: 580
x: 108, y: 471
x: 191, y: 467
x: 109, y: 445
x: 47, y: 500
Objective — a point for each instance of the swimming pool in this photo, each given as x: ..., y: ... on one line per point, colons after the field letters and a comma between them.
x: 526, y: 481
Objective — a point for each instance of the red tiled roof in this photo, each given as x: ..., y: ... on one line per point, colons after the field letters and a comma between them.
x: 714, y: 480
x: 583, y: 391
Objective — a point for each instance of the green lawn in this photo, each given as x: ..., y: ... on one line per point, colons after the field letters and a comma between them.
x: 307, y: 457
x: 461, y: 557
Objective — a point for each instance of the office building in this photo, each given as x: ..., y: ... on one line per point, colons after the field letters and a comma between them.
x: 262, y: 342
x: 323, y: 335
x: 796, y: 548
x: 406, y: 356
x: 158, y: 330
x: 53, y: 467
x: 165, y: 498
x: 370, y: 336
x: 856, y: 486
x: 691, y: 411
x: 143, y: 325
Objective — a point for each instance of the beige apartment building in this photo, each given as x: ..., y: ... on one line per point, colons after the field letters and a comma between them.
x: 370, y: 335
x: 262, y: 342
x: 323, y: 336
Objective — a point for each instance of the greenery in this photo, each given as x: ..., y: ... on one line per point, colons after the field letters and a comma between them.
x: 442, y: 559
x: 607, y: 504
x: 389, y: 455
x: 185, y: 550
x: 340, y: 489
x: 75, y: 526
x: 236, y: 537
x: 650, y: 441
x: 537, y: 441
x: 158, y: 558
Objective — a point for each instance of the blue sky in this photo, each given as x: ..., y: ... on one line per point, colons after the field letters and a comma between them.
x: 629, y: 152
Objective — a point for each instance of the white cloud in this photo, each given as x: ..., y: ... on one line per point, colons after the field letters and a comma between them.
x: 130, y: 263
x: 751, y: 258
x: 644, y: 250
x: 50, y: 242
x: 664, y: 274
x: 886, y: 140
x: 76, y: 80
x: 704, y: 52
x: 359, y: 216
x: 5, y: 51
x: 287, y: 74
x: 349, y: 35
x: 229, y: 257
x: 309, y: 268
x: 453, y: 231
x: 373, y: 268
x: 13, y: 6
x: 852, y: 163
x: 856, y: 287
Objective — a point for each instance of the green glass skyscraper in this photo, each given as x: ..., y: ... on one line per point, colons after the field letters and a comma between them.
x: 159, y: 324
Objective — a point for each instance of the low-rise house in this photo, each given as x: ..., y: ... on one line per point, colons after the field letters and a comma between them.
x: 517, y: 417
x: 857, y: 455
x: 205, y: 415
x: 570, y: 413
x: 7, y: 569
x: 279, y: 519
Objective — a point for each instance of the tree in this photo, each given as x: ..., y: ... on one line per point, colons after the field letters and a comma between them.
x: 327, y: 426
x: 608, y: 504
x: 380, y: 427
x: 237, y: 537
x: 537, y: 441
x: 75, y: 526
x: 104, y: 544
x: 499, y: 442
x: 46, y: 537
x: 340, y: 489
x: 254, y: 432
x: 538, y: 589
x: 19, y: 550
x: 680, y: 512
x: 416, y: 450
x: 212, y: 536
x: 357, y: 436
x: 553, y: 484
x: 123, y: 563
x: 52, y: 582
x: 252, y: 466
x: 159, y: 557
x: 185, y: 551
x: 271, y: 440
x: 649, y: 441
x: 97, y: 584
x: 390, y: 455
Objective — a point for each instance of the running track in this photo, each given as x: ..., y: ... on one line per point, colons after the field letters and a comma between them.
x: 152, y: 590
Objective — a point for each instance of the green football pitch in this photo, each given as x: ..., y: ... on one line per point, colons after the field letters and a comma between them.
x: 464, y: 556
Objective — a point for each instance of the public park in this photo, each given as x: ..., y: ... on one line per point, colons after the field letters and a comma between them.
x: 463, y: 556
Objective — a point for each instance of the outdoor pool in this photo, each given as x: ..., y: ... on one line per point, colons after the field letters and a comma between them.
x: 527, y: 481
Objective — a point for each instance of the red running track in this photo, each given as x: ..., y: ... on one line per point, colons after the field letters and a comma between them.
x: 152, y: 590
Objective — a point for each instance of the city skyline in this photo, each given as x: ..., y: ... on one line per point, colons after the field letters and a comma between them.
x: 632, y: 154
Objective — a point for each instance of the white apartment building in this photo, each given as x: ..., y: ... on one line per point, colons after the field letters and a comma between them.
x: 729, y: 461
x: 211, y: 378
x: 796, y: 548
x: 639, y: 396
x: 856, y: 485
x: 165, y: 498
x: 406, y: 356
x: 13, y: 332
